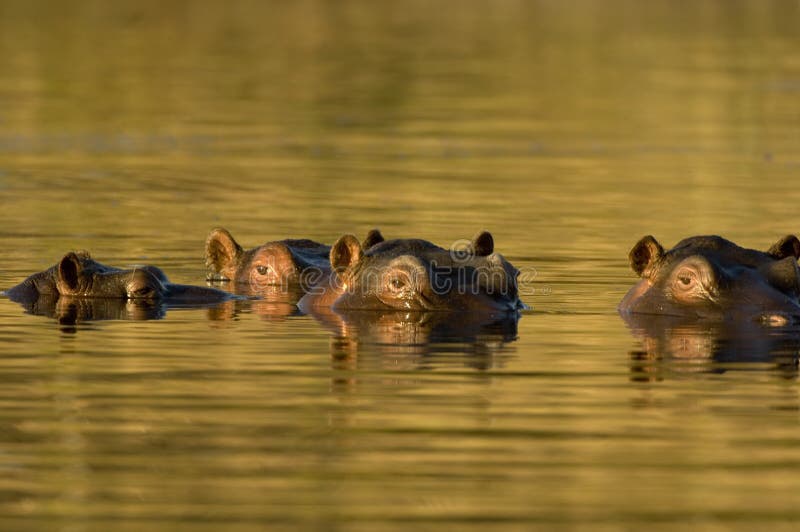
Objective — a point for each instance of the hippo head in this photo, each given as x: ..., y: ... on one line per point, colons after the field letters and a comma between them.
x: 77, y: 275
x: 710, y: 277
x: 411, y: 274
x: 282, y: 263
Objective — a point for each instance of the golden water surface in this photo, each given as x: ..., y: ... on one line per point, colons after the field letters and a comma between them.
x: 567, y: 129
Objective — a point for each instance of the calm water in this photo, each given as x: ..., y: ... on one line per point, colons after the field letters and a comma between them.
x: 569, y: 130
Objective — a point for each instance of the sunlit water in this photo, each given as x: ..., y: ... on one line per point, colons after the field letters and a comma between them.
x: 567, y: 131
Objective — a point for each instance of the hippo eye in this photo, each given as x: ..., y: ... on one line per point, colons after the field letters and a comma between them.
x: 397, y: 284
x: 695, y: 282
x: 263, y: 270
x: 142, y: 293
x: 686, y: 279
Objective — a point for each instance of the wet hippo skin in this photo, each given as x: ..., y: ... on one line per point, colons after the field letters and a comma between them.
x: 710, y: 277
x: 415, y: 275
x: 290, y: 263
x: 77, y: 275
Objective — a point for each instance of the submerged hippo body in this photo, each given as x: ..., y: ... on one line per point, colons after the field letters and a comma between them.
x: 416, y: 275
x: 287, y: 264
x: 708, y: 277
x: 77, y: 275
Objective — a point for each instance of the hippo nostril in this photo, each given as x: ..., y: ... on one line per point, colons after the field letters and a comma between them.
x: 775, y: 319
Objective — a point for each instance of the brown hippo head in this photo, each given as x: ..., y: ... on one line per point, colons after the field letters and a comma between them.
x: 413, y: 274
x: 77, y: 275
x: 284, y: 263
x: 710, y: 277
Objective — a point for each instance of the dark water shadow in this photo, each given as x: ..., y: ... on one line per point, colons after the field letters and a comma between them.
x: 674, y: 345
x: 418, y: 340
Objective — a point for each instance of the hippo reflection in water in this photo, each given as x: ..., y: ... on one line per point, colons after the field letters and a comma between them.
x: 286, y: 264
x: 415, y: 275
x: 708, y: 277
x: 69, y: 310
x: 77, y: 277
x: 412, y: 340
x: 678, y: 345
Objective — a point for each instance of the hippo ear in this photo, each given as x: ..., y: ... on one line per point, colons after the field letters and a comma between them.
x: 222, y: 251
x: 483, y: 244
x: 784, y: 275
x: 69, y: 270
x: 345, y: 252
x: 788, y: 246
x: 644, y: 254
x: 373, y: 237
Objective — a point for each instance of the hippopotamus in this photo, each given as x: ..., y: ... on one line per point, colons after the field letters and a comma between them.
x: 289, y: 264
x: 415, y: 275
x: 77, y: 275
x: 709, y: 277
